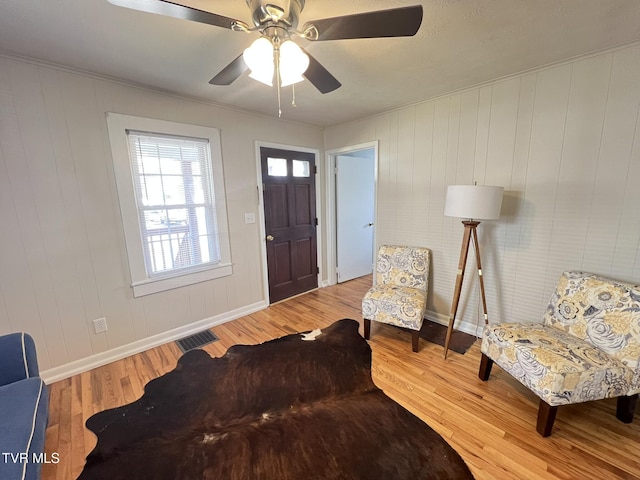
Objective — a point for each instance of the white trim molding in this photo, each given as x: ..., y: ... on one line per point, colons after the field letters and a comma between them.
x: 94, y: 361
x: 462, y: 325
x: 144, y: 282
x: 330, y: 197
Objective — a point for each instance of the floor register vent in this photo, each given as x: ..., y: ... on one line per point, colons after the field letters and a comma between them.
x: 196, y: 340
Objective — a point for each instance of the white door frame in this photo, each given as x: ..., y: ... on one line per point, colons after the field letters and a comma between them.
x: 261, y: 219
x: 332, y: 275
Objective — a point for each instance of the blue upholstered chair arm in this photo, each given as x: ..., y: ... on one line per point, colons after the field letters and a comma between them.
x: 17, y: 358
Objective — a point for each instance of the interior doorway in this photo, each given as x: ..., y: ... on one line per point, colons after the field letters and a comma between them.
x: 351, y: 207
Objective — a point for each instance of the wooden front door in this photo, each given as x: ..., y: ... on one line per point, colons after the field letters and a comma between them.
x: 289, y: 188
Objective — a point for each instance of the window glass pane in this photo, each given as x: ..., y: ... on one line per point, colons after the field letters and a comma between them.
x: 176, y: 217
x: 173, y: 189
x: 198, y: 191
x: 171, y: 166
x: 277, y: 167
x: 151, y: 192
x: 300, y: 168
x: 154, y: 219
x: 149, y: 164
x: 204, y: 248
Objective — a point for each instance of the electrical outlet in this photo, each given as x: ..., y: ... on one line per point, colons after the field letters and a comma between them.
x: 100, y: 325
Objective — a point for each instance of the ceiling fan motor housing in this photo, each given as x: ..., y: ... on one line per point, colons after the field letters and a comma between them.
x: 271, y: 12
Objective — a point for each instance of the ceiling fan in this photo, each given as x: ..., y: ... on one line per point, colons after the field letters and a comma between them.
x: 277, y: 22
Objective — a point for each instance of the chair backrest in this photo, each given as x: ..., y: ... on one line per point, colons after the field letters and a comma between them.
x: 601, y: 311
x: 403, y: 266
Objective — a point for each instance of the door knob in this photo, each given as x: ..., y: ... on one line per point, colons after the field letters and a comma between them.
x: 370, y: 224
x: 270, y: 238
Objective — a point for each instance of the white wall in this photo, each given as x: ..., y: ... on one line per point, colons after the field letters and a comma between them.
x: 63, y: 261
x: 563, y: 141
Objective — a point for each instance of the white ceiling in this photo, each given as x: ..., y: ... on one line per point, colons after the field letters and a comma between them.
x: 460, y: 43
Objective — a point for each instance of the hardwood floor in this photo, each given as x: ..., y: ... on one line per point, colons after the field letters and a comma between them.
x: 491, y: 424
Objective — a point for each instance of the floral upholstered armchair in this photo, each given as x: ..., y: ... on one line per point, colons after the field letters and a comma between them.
x: 587, y: 348
x: 399, y: 296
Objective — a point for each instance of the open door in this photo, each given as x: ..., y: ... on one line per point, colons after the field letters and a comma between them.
x: 288, y: 179
x: 355, y: 210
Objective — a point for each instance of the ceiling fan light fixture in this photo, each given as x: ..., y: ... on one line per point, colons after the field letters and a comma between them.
x: 293, y: 63
x: 259, y: 59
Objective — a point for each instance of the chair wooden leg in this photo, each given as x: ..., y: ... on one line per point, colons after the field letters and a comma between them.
x: 415, y: 340
x: 485, y: 367
x: 626, y: 407
x: 367, y: 329
x: 546, y: 417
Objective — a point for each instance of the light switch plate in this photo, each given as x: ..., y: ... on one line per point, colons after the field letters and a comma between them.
x: 250, y: 217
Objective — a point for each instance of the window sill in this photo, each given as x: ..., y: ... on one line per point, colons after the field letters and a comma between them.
x: 155, y: 285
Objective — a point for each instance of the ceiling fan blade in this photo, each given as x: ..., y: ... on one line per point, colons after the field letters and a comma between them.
x: 395, y: 22
x: 171, y: 9
x: 320, y: 76
x: 231, y: 72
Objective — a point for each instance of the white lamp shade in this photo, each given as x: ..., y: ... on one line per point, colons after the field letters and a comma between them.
x: 478, y: 202
x: 259, y: 59
x: 293, y: 63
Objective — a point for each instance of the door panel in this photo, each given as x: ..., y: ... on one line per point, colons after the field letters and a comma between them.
x: 280, y: 205
x: 305, y: 252
x: 290, y: 221
x: 303, y: 204
x: 282, y: 263
x: 355, y: 199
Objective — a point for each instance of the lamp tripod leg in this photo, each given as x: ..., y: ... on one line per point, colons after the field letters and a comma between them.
x: 480, y: 276
x: 464, y: 250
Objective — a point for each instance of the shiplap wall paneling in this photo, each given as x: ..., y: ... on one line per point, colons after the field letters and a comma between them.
x: 19, y: 300
x: 501, y: 135
x: 423, y: 133
x: 439, y: 227
x: 618, y: 137
x: 545, y: 154
x: 24, y: 244
x: 581, y: 146
x: 513, y: 234
x: 562, y: 140
x: 76, y: 252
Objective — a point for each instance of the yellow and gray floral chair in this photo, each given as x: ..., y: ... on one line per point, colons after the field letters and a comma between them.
x: 587, y: 348
x: 399, y: 294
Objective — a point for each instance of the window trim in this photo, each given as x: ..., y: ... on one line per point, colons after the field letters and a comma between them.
x: 141, y: 283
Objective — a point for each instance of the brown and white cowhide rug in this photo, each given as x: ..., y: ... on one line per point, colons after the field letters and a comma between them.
x: 298, y: 407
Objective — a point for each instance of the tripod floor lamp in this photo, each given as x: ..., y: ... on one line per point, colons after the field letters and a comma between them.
x: 471, y: 203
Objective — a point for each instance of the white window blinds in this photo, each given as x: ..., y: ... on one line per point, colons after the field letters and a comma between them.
x: 173, y: 185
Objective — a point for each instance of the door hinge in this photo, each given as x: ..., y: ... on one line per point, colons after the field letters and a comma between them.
x: 318, y: 270
x: 315, y: 169
x: 316, y: 221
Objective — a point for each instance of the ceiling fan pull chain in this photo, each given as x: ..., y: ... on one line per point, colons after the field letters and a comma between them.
x: 276, y: 58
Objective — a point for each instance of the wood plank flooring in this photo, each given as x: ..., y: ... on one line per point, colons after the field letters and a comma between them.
x: 491, y: 424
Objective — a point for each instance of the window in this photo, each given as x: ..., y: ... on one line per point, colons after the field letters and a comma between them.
x: 170, y: 187
x: 277, y: 167
x: 300, y: 168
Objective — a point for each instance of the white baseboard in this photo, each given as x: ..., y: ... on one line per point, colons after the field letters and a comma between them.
x: 463, y: 326
x: 85, y: 364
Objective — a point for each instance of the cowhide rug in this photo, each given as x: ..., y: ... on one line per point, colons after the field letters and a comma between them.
x: 298, y: 407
